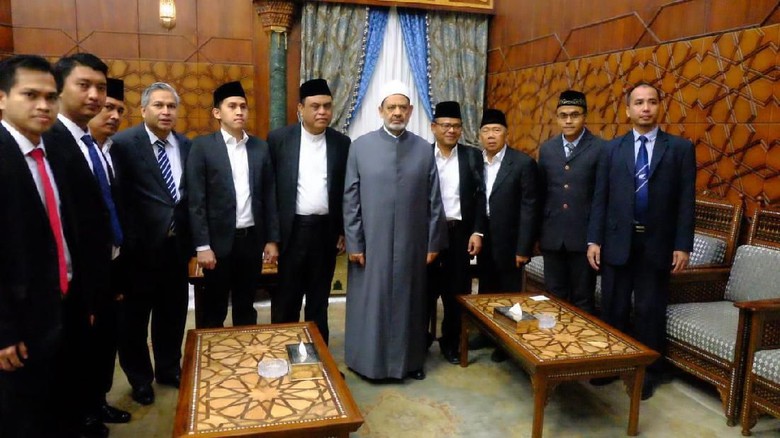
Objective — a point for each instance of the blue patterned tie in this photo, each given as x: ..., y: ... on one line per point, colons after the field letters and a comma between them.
x: 105, y: 188
x: 569, y: 147
x: 165, y: 168
x: 641, y: 170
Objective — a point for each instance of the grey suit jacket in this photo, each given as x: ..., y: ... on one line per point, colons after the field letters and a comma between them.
x: 285, y: 144
x: 212, y: 203
x: 149, y: 209
x: 566, y: 190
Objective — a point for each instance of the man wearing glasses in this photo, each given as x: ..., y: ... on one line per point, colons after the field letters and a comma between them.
x: 463, y: 195
x: 567, y: 174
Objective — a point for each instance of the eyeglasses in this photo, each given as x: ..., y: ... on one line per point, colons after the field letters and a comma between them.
x: 566, y: 116
x: 448, y: 126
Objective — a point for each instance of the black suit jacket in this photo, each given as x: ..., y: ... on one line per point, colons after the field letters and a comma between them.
x: 285, y: 146
x: 670, y: 218
x: 566, y: 191
x: 212, y: 201
x: 148, y: 207
x: 30, y: 296
x: 513, y: 208
x: 472, y: 189
x: 91, y: 213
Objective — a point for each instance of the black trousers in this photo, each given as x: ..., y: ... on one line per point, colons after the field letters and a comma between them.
x: 650, y: 287
x: 237, y: 272
x: 497, y: 277
x: 568, y: 275
x: 159, y: 292
x: 30, y: 403
x: 306, y: 268
x: 448, y: 277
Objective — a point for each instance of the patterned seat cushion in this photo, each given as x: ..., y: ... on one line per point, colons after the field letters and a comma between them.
x: 754, y: 275
x: 535, y: 269
x: 707, y: 250
x: 711, y: 327
x: 767, y: 365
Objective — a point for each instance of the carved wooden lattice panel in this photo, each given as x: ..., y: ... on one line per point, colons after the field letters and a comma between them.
x: 231, y: 395
x: 573, y: 337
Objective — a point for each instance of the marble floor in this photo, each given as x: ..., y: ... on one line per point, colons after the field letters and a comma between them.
x: 485, y: 399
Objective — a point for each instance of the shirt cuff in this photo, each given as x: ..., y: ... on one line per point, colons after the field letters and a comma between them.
x: 203, y: 248
x: 478, y: 234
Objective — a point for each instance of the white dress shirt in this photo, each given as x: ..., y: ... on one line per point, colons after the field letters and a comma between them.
x: 573, y: 143
x: 449, y: 182
x: 312, y: 196
x: 77, y: 133
x: 26, y: 146
x: 239, y: 164
x: 491, y: 171
x: 172, y: 151
x: 649, y: 144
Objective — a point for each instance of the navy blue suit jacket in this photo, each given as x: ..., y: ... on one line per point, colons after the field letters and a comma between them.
x: 670, y: 218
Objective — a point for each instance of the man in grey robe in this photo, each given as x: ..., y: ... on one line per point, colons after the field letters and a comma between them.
x: 395, y: 224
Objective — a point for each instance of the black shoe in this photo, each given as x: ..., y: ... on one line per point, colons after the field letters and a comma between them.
x: 451, y: 356
x: 498, y: 355
x: 417, y: 374
x: 92, y: 427
x: 174, y: 380
x: 602, y: 381
x: 648, y: 388
x: 143, y: 394
x: 479, y: 342
x: 110, y: 414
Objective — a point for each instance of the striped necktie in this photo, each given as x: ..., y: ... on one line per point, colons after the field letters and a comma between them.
x: 569, y: 149
x: 165, y: 168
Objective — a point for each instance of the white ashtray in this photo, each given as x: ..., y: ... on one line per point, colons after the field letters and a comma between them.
x: 272, y: 368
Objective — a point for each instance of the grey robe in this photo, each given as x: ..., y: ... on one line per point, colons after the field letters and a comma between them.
x: 393, y: 214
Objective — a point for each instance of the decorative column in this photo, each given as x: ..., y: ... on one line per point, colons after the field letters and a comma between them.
x: 277, y: 17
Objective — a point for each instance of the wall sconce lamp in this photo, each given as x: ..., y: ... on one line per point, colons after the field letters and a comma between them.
x: 168, y: 14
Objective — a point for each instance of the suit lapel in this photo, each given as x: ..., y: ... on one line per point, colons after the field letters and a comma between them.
x: 659, y: 148
x: 503, y: 171
x: 331, y: 158
x: 293, y: 147
x: 146, y: 149
x: 464, y: 167
x: 627, y: 152
x: 18, y: 165
x: 584, y: 144
x: 252, y: 159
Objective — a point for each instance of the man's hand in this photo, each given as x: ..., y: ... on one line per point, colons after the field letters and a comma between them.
x: 679, y: 260
x: 475, y: 244
x: 594, y: 256
x: 431, y: 257
x: 207, y: 259
x: 270, y: 252
x: 521, y: 260
x: 341, y: 245
x: 11, y: 357
x: 358, y: 258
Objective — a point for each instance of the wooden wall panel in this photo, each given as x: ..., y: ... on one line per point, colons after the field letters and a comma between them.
x: 6, y: 30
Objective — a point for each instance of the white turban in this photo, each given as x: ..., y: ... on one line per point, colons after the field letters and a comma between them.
x: 394, y: 87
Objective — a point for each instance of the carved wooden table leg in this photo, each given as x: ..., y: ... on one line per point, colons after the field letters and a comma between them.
x: 539, y: 382
x: 635, y: 392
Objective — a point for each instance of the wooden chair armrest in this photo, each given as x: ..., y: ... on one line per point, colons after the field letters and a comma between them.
x: 763, y: 316
x: 698, y: 285
x: 760, y: 306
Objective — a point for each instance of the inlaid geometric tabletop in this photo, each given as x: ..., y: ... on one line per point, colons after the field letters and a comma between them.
x: 231, y: 395
x: 573, y: 337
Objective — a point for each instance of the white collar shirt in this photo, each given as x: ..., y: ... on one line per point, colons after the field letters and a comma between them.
x: 574, y: 143
x: 172, y: 151
x: 449, y: 182
x: 649, y: 144
x: 491, y: 171
x: 78, y: 133
x: 312, y: 196
x: 239, y: 165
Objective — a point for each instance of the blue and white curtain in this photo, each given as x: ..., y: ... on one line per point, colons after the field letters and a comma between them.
x: 440, y: 56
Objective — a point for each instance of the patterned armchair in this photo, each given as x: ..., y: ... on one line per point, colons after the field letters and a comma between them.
x: 706, y: 333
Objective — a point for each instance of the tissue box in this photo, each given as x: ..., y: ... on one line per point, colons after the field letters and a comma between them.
x: 526, y: 324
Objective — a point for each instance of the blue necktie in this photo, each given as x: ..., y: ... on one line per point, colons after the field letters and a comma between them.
x: 105, y: 188
x: 641, y: 171
x: 569, y: 148
x: 165, y: 168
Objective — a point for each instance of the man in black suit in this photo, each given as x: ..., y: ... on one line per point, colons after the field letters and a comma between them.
x: 37, y: 253
x: 150, y: 158
x: 232, y: 206
x: 567, y: 176
x: 106, y: 326
x: 310, y: 161
x: 512, y: 192
x: 463, y: 195
x: 82, y: 78
x: 642, y: 222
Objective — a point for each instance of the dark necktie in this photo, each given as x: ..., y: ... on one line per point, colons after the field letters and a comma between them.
x: 105, y: 189
x: 165, y: 168
x: 641, y: 170
x: 53, y: 211
x: 569, y: 149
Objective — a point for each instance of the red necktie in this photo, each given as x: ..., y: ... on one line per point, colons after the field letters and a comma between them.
x: 54, y: 217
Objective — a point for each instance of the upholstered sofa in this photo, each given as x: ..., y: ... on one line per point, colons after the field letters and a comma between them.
x: 707, y: 334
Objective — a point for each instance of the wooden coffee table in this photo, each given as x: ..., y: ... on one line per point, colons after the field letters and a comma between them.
x: 579, y: 347
x: 222, y: 394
